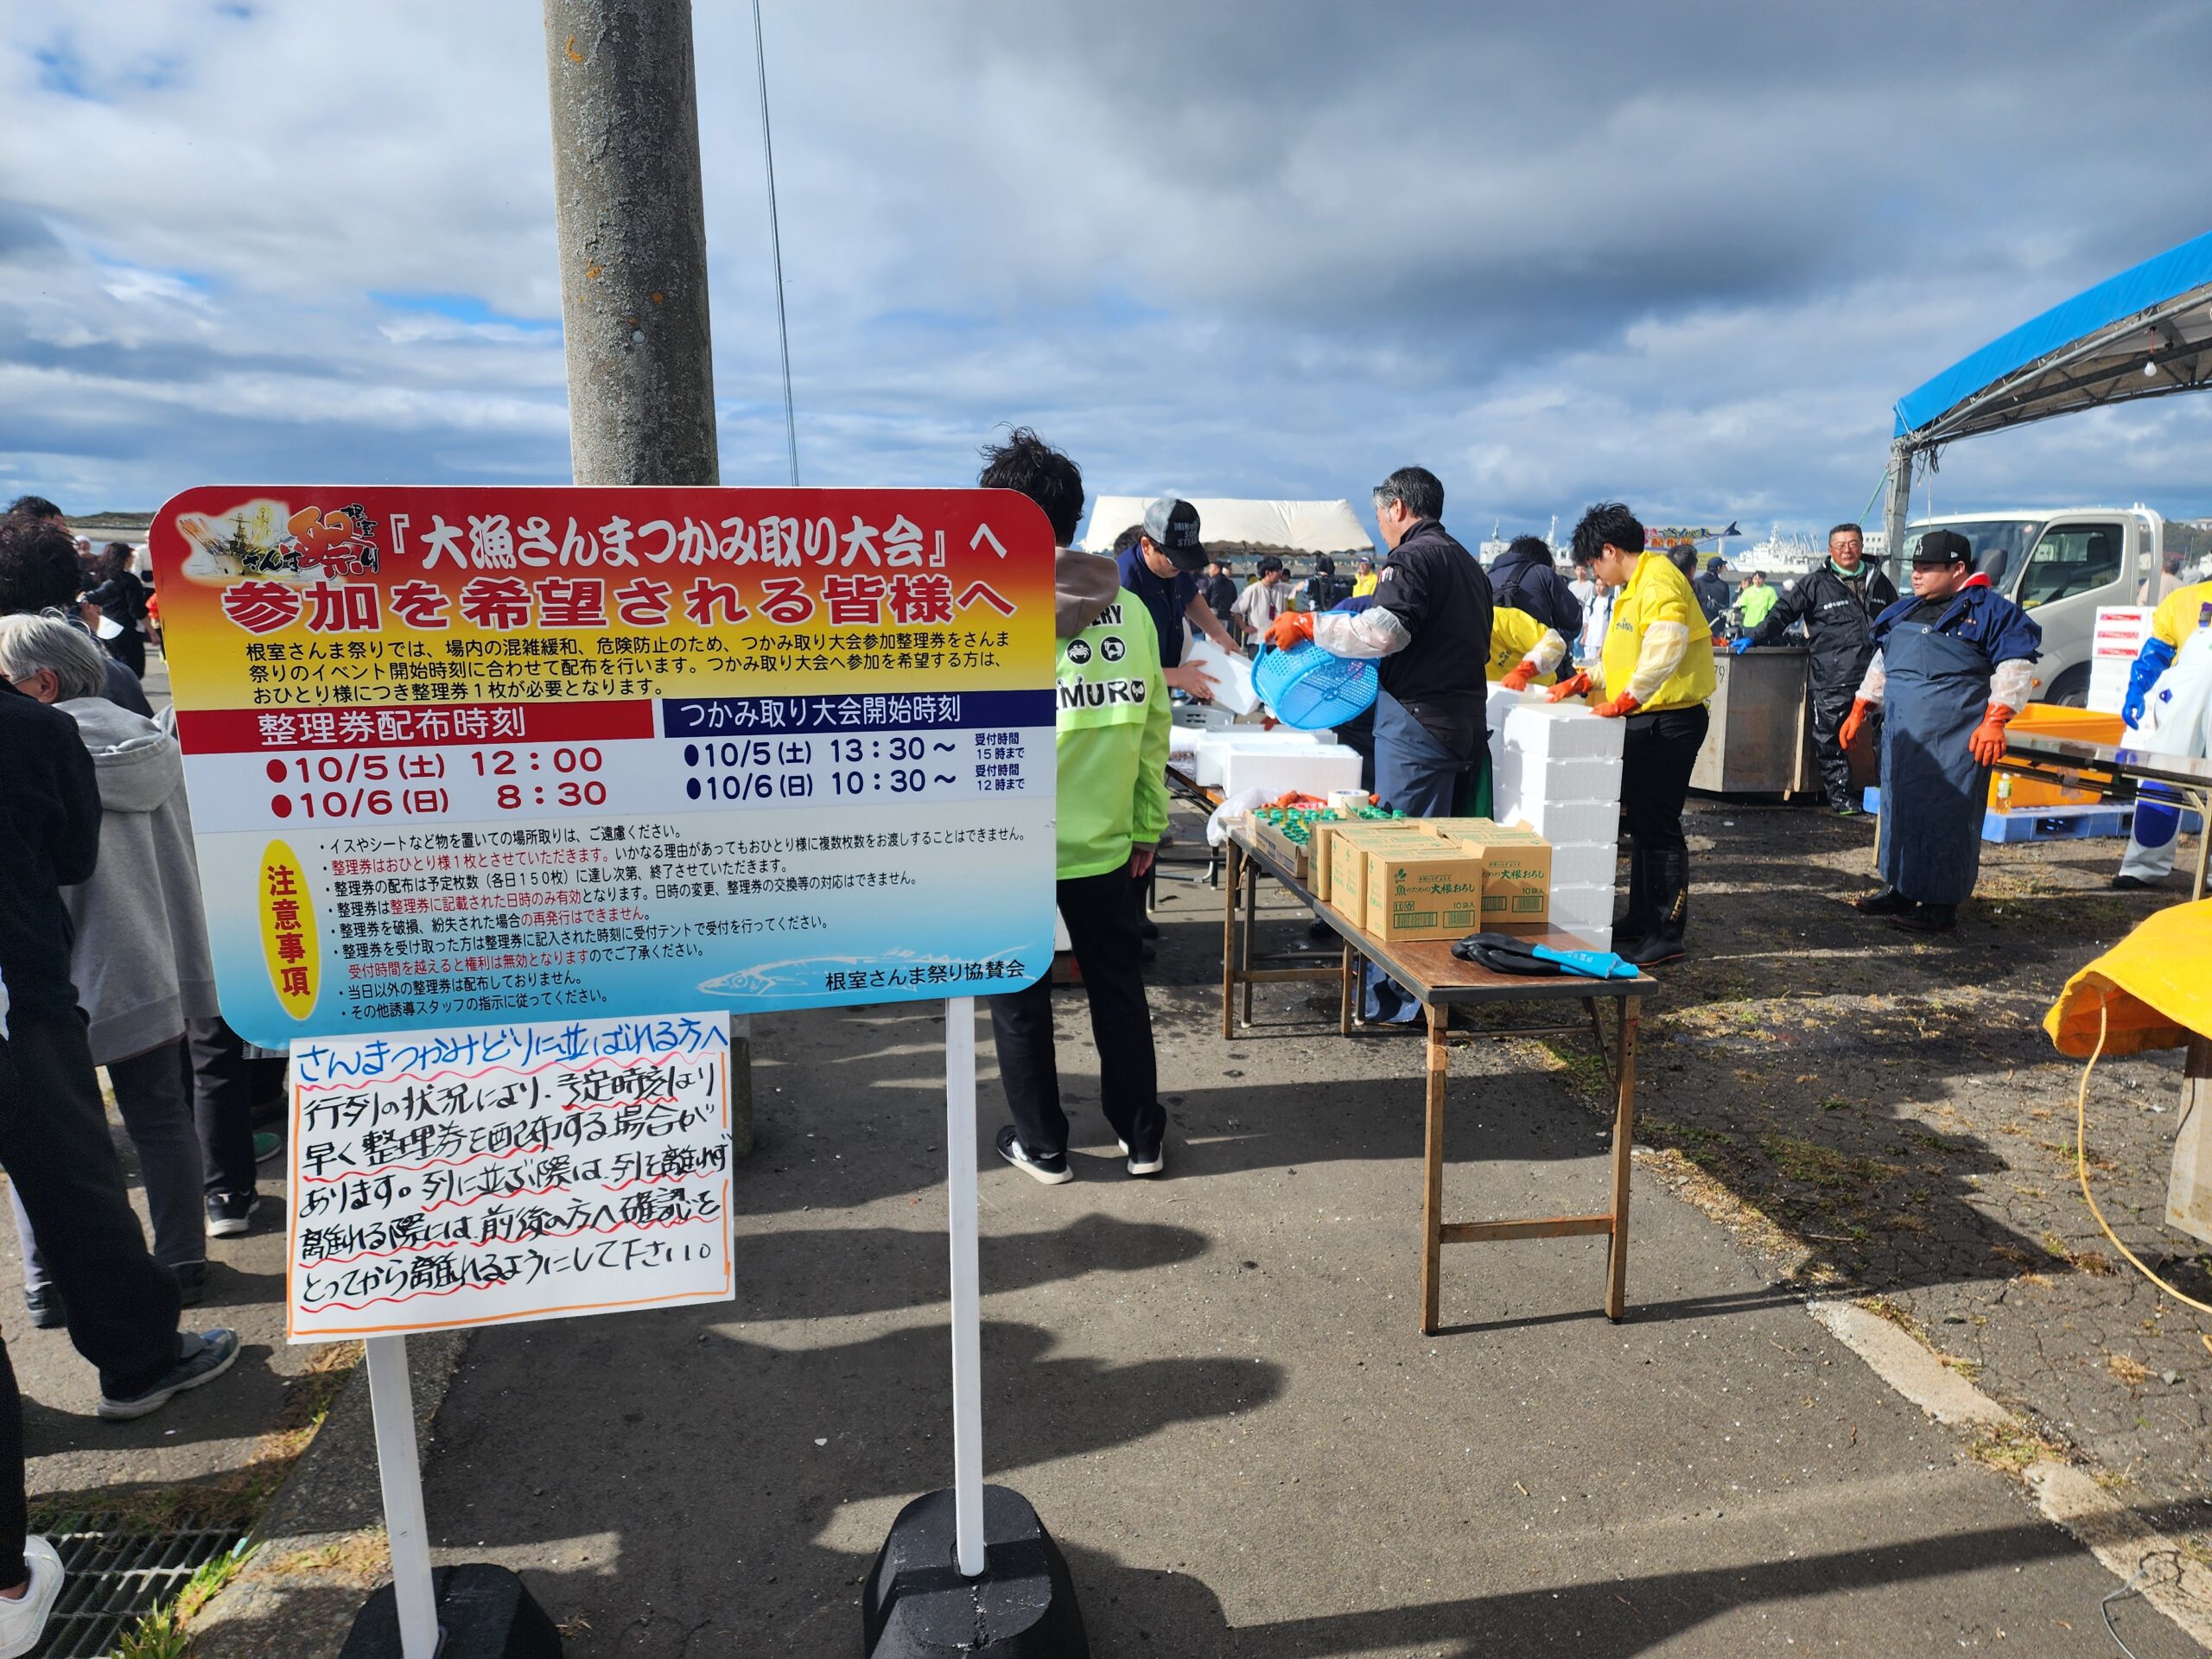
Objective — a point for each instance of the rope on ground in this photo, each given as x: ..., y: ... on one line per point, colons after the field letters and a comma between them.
x: 2082, y: 1171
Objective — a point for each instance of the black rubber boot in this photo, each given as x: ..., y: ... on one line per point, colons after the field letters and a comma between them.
x: 1669, y: 886
x: 1888, y: 902
x: 1637, y: 921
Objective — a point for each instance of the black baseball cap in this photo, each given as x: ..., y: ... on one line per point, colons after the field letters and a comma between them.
x: 1944, y: 547
x: 1171, y: 525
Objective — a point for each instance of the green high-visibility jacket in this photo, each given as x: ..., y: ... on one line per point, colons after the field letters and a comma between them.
x: 1111, y: 744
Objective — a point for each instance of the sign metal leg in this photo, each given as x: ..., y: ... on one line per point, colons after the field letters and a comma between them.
x: 967, y: 1317
x: 392, y: 1405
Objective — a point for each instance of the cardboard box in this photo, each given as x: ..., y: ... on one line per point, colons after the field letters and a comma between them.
x: 1298, y: 854
x: 1329, y: 834
x: 1516, y: 867
x: 1422, y: 893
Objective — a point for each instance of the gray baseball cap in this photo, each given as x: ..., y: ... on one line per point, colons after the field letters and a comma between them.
x: 1171, y: 525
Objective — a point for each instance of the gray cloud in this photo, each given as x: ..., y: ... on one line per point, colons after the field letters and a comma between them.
x: 1687, y: 254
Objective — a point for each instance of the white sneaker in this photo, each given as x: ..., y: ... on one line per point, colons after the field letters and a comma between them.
x: 23, y: 1621
x: 1151, y: 1166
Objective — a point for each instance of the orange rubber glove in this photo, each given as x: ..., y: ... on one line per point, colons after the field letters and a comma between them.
x: 1614, y: 708
x: 1516, y: 679
x: 1987, y: 742
x: 1855, y: 721
x: 1291, y: 628
x: 1574, y: 686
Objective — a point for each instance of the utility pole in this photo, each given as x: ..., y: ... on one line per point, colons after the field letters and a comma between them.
x: 631, y: 215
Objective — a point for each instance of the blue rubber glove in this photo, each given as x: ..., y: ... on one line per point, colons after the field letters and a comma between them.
x: 1740, y: 643
x: 2154, y: 660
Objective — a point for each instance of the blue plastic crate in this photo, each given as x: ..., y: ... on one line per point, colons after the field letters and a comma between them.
x: 2099, y: 820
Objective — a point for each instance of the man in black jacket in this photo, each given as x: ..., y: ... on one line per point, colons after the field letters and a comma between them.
x: 1837, y: 604
x: 1523, y: 578
x: 1429, y: 629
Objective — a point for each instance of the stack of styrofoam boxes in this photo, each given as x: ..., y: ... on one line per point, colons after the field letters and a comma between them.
x: 1556, y: 767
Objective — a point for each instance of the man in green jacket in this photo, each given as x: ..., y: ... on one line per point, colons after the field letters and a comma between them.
x: 1112, y: 756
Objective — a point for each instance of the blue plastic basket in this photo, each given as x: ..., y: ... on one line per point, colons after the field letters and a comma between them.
x: 1311, y: 689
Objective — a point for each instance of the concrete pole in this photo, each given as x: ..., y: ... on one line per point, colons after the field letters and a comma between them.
x: 632, y: 227
x: 631, y: 215
x: 1896, y: 504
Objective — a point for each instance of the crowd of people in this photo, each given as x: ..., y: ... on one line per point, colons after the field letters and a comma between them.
x: 104, y: 963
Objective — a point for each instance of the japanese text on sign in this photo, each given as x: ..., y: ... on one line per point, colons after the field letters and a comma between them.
x: 477, y: 1176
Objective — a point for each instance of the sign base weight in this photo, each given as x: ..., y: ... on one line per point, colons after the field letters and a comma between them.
x: 917, y: 1605
x: 484, y: 1612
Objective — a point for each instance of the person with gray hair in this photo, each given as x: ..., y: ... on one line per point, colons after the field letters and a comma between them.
x: 139, y: 957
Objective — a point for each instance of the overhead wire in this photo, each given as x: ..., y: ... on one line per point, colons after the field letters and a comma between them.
x: 776, y: 244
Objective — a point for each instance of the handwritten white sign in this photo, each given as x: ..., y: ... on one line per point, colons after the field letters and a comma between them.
x: 490, y: 1173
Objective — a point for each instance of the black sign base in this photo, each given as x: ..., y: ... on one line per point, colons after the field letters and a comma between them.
x: 484, y: 1612
x: 917, y: 1606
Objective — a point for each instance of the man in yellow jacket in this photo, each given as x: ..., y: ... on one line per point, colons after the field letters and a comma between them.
x: 1656, y: 674
x: 2184, y: 619
x: 1111, y: 758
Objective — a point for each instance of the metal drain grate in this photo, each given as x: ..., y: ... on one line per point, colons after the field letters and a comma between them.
x: 116, y: 1577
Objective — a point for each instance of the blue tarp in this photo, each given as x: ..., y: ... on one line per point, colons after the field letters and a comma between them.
x: 2154, y: 282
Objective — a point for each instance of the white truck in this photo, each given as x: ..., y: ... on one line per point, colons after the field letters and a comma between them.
x: 2061, y: 567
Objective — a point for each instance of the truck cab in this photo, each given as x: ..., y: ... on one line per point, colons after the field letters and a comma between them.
x: 2061, y: 567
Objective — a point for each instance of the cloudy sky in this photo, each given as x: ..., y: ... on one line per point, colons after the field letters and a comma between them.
x: 1687, y: 254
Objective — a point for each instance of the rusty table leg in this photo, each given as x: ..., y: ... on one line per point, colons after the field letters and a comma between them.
x: 1432, y: 1202
x: 1251, y: 926
x: 1346, y: 991
x: 1623, y: 1133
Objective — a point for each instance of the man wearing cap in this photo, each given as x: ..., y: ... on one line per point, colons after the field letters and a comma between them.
x: 1951, y: 668
x: 1429, y: 625
x: 1363, y: 578
x: 1162, y: 570
x: 1714, y: 597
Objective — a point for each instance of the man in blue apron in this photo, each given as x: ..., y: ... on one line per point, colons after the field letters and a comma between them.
x: 1951, y: 668
x: 1429, y: 629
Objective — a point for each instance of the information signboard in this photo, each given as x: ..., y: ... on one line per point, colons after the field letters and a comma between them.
x: 487, y: 1174
x: 470, y: 754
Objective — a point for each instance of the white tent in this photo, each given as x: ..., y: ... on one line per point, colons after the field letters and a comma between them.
x: 1291, y: 526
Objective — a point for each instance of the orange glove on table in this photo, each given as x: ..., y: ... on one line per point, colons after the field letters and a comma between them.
x: 1574, y: 686
x: 1615, y: 708
x: 1291, y: 628
x: 1987, y: 742
x: 1855, y: 721
x: 1518, y: 678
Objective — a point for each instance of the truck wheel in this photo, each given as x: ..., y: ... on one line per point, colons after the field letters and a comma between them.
x: 2072, y: 688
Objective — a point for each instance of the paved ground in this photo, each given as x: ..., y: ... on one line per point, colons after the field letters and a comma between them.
x: 1212, y: 1386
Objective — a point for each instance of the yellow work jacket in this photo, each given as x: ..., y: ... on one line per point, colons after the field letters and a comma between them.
x: 2181, y: 613
x: 1659, y: 593
x: 1513, y: 635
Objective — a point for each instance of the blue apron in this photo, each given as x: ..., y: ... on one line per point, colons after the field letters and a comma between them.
x: 1421, y: 778
x: 1933, y: 791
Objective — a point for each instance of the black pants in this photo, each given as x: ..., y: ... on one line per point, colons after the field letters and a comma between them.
x: 55, y: 1148
x: 1102, y: 926
x: 1831, y: 706
x: 1657, y: 754
x: 226, y: 1086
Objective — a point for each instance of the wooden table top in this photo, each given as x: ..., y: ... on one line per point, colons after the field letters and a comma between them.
x: 1438, y: 976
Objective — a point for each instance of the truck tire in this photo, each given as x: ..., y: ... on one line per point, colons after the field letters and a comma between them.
x: 2071, y: 690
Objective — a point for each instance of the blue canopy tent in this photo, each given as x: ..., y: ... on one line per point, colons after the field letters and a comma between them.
x: 2142, y: 333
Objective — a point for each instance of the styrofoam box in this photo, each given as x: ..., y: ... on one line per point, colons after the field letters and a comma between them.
x: 1569, y: 823
x: 1315, y: 769
x: 1587, y: 913
x: 1212, y: 748
x: 1585, y: 865
x: 1522, y: 789
x: 1559, y: 731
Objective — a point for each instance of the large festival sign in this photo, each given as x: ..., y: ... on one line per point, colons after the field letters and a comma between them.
x: 463, y: 755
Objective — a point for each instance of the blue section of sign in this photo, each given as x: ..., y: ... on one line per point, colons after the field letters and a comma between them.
x: 920, y: 711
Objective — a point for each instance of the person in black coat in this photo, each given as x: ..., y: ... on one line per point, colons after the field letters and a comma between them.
x: 121, y: 598
x: 1523, y: 578
x: 38, y: 572
x: 1837, y: 604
